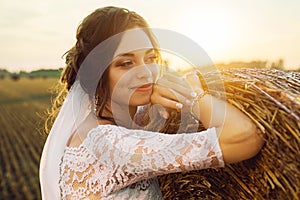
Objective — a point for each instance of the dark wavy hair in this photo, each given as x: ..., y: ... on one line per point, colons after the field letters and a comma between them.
x: 94, y: 29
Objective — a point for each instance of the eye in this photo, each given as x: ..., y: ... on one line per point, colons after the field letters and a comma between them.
x: 150, y: 59
x: 126, y: 63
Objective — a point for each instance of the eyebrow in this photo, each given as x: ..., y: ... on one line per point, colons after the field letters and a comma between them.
x: 132, y: 54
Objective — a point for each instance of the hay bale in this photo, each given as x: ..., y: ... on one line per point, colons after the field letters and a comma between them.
x: 271, y: 98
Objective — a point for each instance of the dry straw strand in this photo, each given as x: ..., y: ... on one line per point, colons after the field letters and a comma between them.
x: 271, y: 98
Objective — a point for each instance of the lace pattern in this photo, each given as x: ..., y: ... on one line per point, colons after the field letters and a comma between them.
x: 114, y: 161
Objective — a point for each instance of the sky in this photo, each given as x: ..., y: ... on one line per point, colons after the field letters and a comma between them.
x: 36, y: 33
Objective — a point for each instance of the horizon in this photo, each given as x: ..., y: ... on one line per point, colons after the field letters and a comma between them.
x: 186, y: 67
x: 35, y: 37
x: 30, y: 69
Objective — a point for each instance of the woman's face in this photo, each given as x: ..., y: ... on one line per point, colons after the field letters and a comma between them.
x: 133, y: 70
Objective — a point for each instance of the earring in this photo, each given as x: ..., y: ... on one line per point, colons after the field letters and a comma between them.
x: 96, y: 104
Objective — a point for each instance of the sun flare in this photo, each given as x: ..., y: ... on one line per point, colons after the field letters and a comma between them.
x: 213, y: 31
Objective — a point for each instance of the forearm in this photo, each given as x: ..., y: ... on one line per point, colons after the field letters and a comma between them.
x: 210, y: 111
x: 238, y: 135
x: 213, y: 112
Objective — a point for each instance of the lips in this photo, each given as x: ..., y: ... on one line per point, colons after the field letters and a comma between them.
x: 143, y: 88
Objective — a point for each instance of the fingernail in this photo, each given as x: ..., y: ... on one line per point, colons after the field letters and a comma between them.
x: 164, y: 114
x: 193, y: 94
x: 179, y: 105
x: 188, y: 102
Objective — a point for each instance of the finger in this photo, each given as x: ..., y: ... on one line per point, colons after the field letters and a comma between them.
x: 179, y: 87
x: 175, y: 79
x: 170, y: 94
x: 158, y: 110
x: 165, y: 102
x: 164, y: 92
x: 164, y: 114
x: 194, y: 82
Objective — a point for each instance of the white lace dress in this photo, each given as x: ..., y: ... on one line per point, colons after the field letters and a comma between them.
x: 118, y: 163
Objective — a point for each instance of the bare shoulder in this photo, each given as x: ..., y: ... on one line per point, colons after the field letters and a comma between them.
x: 74, y: 140
x: 82, y: 131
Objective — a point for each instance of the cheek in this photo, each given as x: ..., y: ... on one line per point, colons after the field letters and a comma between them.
x: 155, y: 71
x: 111, y: 85
x: 114, y: 86
x: 119, y: 84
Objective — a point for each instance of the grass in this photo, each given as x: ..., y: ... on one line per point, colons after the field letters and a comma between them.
x: 22, y: 104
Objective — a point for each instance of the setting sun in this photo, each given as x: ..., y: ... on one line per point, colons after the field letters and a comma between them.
x: 214, y: 32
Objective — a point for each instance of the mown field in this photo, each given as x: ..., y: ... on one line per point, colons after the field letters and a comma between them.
x: 22, y: 110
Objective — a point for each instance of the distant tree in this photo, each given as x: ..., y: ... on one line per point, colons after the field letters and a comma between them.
x: 23, y: 74
x: 31, y: 76
x: 4, y: 73
x: 257, y: 64
x: 240, y: 64
x: 278, y: 65
x: 46, y: 72
x: 15, y: 76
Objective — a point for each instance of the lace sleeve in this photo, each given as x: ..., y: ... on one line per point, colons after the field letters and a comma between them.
x: 127, y: 156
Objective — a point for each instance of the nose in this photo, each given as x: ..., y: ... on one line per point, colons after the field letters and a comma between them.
x: 144, y: 71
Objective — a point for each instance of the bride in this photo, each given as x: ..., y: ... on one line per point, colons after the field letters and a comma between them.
x: 97, y: 147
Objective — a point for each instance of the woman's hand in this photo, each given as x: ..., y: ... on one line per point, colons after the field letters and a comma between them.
x: 175, y: 92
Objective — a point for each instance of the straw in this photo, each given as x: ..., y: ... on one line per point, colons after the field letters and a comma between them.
x: 271, y: 98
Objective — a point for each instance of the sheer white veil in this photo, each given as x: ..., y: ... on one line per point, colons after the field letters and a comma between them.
x: 63, y: 127
x: 77, y: 106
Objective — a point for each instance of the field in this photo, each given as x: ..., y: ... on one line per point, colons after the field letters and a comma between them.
x: 273, y: 174
x: 22, y: 110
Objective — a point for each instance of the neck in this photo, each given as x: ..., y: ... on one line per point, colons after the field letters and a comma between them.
x: 123, y: 115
